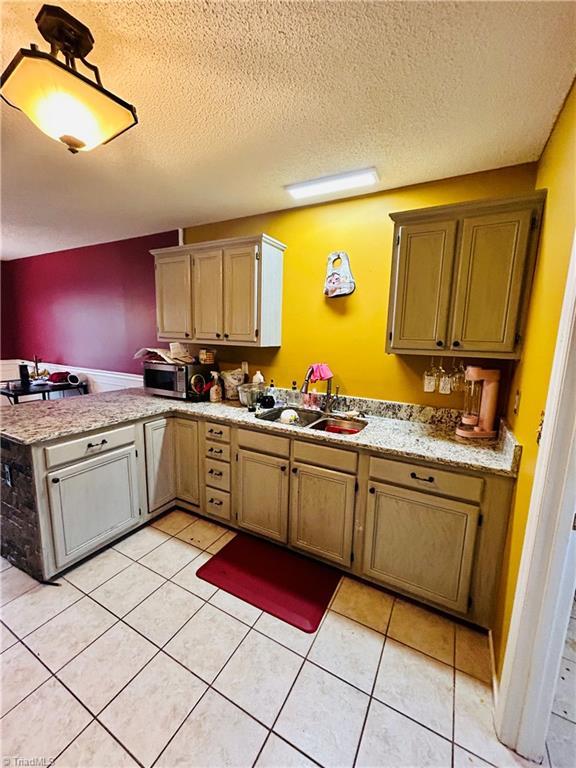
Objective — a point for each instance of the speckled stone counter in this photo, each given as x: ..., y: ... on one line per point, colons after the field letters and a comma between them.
x: 398, y: 429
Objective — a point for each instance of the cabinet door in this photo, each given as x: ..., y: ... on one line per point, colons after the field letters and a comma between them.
x: 322, y: 512
x: 421, y: 543
x: 488, y: 285
x: 262, y: 494
x: 208, y: 290
x: 159, y: 436
x: 422, y: 288
x: 92, y: 502
x: 187, y: 460
x: 173, y: 296
x: 240, y: 294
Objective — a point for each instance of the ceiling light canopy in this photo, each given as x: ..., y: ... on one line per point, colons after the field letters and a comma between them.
x: 63, y: 103
x: 329, y: 184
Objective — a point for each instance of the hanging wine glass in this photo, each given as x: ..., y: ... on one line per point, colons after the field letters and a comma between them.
x: 457, y: 374
x: 431, y: 377
x: 444, y: 380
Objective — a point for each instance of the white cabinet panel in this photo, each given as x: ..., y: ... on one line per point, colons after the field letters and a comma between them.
x: 92, y: 502
x: 208, y: 321
x: 240, y: 292
x: 160, y: 455
x: 187, y: 464
x: 173, y: 296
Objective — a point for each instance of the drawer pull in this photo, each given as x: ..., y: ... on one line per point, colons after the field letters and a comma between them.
x: 414, y: 476
x: 372, y: 490
x: 55, y: 479
x: 97, y: 445
x: 215, y: 472
x: 214, y: 450
x: 216, y: 502
x: 215, y: 432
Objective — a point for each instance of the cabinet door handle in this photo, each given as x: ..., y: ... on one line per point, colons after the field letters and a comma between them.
x: 439, y: 343
x: 214, y: 450
x: 215, y: 432
x: 455, y: 343
x: 218, y: 335
x: 372, y: 490
x: 294, y: 471
x: 216, y: 502
x: 97, y: 445
x: 55, y: 479
x: 226, y: 335
x: 283, y: 469
x: 215, y: 472
x: 187, y: 335
x: 414, y: 476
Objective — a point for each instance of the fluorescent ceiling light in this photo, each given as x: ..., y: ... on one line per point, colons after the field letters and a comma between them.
x: 328, y: 184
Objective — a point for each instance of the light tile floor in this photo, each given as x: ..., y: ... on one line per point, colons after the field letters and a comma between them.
x: 134, y: 660
x: 561, y: 741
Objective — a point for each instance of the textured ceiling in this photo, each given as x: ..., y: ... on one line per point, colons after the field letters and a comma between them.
x: 237, y: 99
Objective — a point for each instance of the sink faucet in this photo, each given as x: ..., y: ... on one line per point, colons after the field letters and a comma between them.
x: 328, y: 379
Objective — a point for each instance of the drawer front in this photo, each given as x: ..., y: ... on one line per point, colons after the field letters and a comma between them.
x: 331, y: 458
x: 83, y: 448
x: 427, y: 479
x: 263, y: 443
x: 217, y: 474
x: 217, y: 432
x: 217, y: 451
x: 217, y: 504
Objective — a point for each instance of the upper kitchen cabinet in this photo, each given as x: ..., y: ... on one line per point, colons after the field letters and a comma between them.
x: 231, y: 294
x: 461, y: 277
x: 173, y: 294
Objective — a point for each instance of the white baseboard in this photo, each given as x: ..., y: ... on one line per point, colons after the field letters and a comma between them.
x: 98, y: 380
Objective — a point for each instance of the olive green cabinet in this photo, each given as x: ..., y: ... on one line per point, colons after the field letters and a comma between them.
x: 461, y: 277
x: 322, y: 512
x: 420, y: 543
x: 262, y: 494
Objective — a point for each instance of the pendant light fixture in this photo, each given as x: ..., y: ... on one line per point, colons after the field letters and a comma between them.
x: 65, y: 104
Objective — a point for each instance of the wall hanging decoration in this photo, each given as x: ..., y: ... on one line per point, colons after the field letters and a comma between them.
x: 60, y: 101
x: 339, y: 280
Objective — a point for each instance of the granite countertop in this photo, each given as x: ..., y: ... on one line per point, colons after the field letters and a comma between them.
x: 401, y: 430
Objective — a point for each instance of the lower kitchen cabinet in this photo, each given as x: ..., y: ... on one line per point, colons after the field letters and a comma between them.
x: 322, y: 512
x: 160, y: 464
x: 92, y: 502
x: 421, y: 543
x: 187, y: 460
x: 262, y: 494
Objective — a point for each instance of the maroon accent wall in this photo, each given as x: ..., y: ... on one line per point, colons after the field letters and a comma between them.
x: 91, y: 306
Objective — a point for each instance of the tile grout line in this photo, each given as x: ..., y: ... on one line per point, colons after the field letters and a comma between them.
x: 371, y: 695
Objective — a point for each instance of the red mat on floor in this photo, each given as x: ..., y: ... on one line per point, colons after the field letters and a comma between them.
x: 280, y: 582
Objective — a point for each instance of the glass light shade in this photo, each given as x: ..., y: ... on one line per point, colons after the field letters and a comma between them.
x: 64, y: 104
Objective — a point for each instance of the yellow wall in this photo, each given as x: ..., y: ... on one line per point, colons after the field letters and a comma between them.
x: 557, y: 173
x: 349, y: 333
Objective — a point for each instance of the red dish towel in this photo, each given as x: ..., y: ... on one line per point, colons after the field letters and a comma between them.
x: 280, y: 582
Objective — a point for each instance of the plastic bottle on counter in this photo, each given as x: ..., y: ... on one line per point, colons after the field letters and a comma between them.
x: 258, y: 378
x: 216, y: 388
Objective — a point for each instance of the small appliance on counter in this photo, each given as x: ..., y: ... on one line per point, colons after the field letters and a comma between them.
x: 183, y: 381
x: 480, y: 398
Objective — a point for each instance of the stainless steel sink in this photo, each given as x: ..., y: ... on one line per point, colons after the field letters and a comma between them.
x: 339, y: 425
x: 311, y: 419
x: 306, y: 416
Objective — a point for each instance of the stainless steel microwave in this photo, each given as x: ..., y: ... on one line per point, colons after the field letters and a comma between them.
x: 168, y: 379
